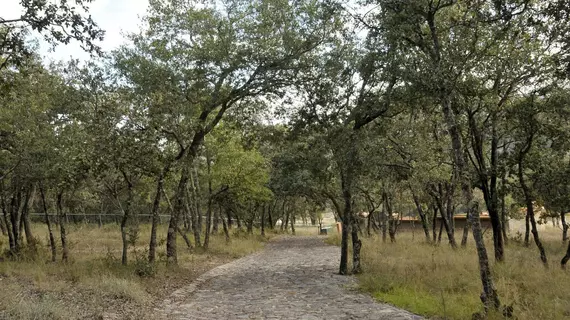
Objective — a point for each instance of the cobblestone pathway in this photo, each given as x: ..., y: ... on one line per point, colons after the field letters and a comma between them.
x: 292, y: 278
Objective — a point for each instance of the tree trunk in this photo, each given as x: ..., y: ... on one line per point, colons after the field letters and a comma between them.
x: 216, y: 222
x: 3, y: 228
x: 25, y: 217
x: 527, y: 230
x: 61, y: 218
x: 286, y: 221
x: 504, y: 220
x: 171, y: 254
x: 270, y: 216
x: 528, y: 201
x: 440, y: 233
x: 155, y: 217
x: 566, y: 257
x: 384, y: 223
x: 434, y: 224
x: 225, y: 227
x: 48, y: 224
x: 293, y: 223
x: 229, y: 217
x: 11, y: 242
x: 197, y: 212
x: 444, y: 214
x: 198, y: 197
x: 263, y: 219
x: 209, y: 209
x: 422, y: 216
x: 14, y: 218
x: 489, y: 295
x: 488, y: 178
x: 466, y: 231
x: 125, y: 219
x: 564, y: 226
x: 356, y: 246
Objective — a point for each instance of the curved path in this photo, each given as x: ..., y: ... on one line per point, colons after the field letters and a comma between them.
x: 292, y: 278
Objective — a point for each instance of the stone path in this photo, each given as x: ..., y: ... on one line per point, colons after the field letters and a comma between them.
x: 292, y: 278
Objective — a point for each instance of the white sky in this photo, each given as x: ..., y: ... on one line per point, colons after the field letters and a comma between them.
x: 113, y: 16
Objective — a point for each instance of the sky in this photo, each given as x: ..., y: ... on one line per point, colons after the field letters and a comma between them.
x: 113, y: 16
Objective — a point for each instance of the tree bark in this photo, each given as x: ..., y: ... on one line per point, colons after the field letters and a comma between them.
x: 25, y: 225
x: 216, y: 222
x: 356, y: 246
x: 3, y: 228
x: 14, y: 218
x: 489, y: 296
x: 529, y: 205
x: 48, y: 224
x: 197, y: 212
x: 125, y: 219
x: 422, y: 215
x: 270, y: 215
x: 225, y: 227
x: 8, y: 226
x: 434, y: 223
x: 61, y: 218
x: 293, y: 222
x: 488, y: 177
x: 564, y: 226
x: 504, y: 220
x: 171, y: 254
x: 263, y: 219
x: 155, y: 217
x: 466, y: 231
x: 209, y: 209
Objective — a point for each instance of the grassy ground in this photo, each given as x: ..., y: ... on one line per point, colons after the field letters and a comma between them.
x: 441, y: 283
x: 94, y: 285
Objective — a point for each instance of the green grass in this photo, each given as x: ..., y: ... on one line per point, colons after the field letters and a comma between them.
x: 439, y: 282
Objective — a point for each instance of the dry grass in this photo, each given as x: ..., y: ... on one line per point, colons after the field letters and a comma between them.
x: 94, y: 283
x: 439, y: 282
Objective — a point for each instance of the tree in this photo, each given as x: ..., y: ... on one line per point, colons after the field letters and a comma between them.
x: 214, y: 57
x: 58, y: 21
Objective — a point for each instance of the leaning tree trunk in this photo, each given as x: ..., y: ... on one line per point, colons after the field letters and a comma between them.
x: 489, y: 295
x: 8, y: 227
x: 444, y: 214
x: 196, y: 217
x: 63, y: 234
x: 25, y: 224
x: 171, y: 254
x: 422, y: 215
x: 48, y: 224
